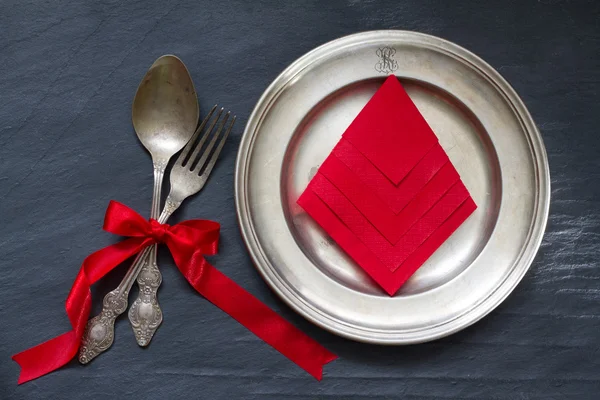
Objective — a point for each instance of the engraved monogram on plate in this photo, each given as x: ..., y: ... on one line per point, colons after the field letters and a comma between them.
x: 386, y: 63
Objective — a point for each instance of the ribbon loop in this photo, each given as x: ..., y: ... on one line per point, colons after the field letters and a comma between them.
x: 188, y: 242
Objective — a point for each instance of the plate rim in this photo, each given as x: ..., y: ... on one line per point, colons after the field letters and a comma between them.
x: 486, y: 304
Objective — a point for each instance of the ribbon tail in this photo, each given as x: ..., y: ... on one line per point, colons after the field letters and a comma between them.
x: 46, y: 357
x: 260, y: 319
x: 54, y: 353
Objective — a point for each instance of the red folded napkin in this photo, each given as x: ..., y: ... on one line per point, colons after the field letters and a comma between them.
x: 387, y: 193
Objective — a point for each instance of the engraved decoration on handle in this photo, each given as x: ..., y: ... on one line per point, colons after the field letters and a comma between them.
x: 100, y: 330
x: 145, y: 314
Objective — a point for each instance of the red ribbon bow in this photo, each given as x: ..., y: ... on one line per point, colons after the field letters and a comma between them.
x: 188, y: 242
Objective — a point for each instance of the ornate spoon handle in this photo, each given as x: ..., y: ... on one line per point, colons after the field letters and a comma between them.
x: 100, y: 331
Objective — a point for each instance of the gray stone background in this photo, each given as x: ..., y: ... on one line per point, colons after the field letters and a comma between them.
x: 68, y: 73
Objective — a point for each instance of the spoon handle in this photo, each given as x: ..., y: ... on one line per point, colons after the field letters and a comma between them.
x: 100, y: 330
x: 145, y: 314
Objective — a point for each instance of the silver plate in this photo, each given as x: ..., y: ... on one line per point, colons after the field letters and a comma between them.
x: 488, y: 135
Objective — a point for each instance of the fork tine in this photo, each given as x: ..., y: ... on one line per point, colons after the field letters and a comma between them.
x: 215, y: 155
x: 190, y: 162
x: 211, y: 144
x: 186, y: 150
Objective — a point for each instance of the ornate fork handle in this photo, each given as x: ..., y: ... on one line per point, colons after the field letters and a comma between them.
x: 145, y: 314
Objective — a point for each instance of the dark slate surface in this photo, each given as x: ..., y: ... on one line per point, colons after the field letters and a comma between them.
x: 68, y: 73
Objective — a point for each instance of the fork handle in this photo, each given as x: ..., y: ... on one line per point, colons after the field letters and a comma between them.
x: 145, y: 314
x: 100, y: 330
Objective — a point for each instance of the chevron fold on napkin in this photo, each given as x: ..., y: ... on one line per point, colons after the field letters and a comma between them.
x: 388, y: 194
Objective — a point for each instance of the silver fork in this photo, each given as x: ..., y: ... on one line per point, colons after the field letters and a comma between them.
x: 145, y: 314
x: 188, y: 177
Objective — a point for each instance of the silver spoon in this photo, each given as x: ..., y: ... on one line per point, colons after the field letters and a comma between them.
x: 165, y: 114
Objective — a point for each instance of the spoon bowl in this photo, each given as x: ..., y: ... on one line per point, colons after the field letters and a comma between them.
x: 165, y: 109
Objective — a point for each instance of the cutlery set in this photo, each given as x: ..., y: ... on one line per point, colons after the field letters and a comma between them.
x: 164, y: 113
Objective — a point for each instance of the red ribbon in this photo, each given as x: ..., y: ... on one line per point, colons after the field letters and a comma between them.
x: 188, y: 241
